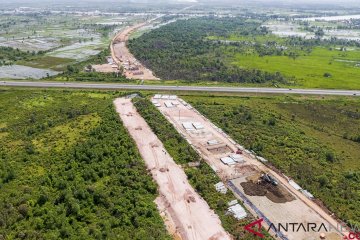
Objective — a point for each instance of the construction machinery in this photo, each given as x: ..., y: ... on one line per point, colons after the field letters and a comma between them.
x: 239, y: 151
x: 269, y: 179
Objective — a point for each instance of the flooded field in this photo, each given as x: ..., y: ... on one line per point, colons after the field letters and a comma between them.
x: 286, y: 29
x: 290, y: 28
x: 23, y: 72
x: 32, y: 44
x: 332, y: 18
x: 63, y: 38
x: 113, y: 21
x: 79, y: 50
x: 60, y: 30
x: 344, y: 34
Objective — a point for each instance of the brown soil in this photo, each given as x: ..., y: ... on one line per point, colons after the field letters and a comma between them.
x: 301, y: 209
x: 189, y: 217
x: 219, y: 149
x: 276, y: 194
x: 105, y: 68
x: 253, y: 189
x: 121, y: 55
x: 245, y: 169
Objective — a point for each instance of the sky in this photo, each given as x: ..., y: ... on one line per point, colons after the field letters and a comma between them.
x: 296, y: 2
x: 266, y: 1
x: 293, y: 1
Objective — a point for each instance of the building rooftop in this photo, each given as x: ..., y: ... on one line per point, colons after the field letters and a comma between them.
x: 228, y: 160
x: 237, y: 157
x: 295, y: 185
x: 198, y: 125
x: 188, y: 126
x: 237, y: 211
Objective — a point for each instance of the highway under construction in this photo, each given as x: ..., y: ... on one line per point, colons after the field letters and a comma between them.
x: 265, y: 193
x: 121, y: 55
x: 187, y: 216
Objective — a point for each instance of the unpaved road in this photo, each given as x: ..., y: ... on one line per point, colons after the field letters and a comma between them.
x: 122, y: 56
x: 186, y: 212
x: 298, y: 210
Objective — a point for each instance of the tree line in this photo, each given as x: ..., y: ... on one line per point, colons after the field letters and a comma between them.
x: 181, y: 51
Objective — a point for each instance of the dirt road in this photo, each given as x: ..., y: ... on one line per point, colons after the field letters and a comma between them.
x: 121, y: 55
x: 186, y: 214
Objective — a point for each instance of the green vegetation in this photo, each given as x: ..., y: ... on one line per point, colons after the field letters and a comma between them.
x: 321, y: 68
x: 314, y: 141
x: 242, y: 51
x: 179, y: 51
x: 9, y: 56
x: 47, y: 62
x: 69, y: 170
x: 202, y: 178
x: 76, y: 71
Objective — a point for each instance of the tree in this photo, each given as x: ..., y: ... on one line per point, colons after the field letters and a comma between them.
x: 330, y: 156
x: 272, y: 122
x: 320, y: 32
x: 323, y: 180
x: 327, y: 75
x: 70, y: 69
x: 23, y: 210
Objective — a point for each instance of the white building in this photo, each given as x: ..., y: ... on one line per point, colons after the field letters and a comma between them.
x: 237, y: 158
x: 221, y: 188
x: 227, y: 160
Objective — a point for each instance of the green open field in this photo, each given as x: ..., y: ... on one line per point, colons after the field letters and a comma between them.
x: 48, y: 62
x: 308, y: 70
x: 314, y: 140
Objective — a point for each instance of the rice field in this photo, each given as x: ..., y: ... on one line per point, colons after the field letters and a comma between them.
x: 293, y: 28
x: 79, y: 50
x: 24, y: 72
x: 64, y: 38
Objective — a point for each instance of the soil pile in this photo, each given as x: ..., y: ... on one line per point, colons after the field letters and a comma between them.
x: 276, y: 194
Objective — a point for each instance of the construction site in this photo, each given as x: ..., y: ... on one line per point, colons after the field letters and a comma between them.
x: 185, y: 213
x: 126, y: 61
x: 266, y: 194
x: 121, y: 60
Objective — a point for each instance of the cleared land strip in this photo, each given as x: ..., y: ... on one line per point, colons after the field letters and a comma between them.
x: 180, y: 88
x: 121, y: 55
x: 187, y: 215
x: 280, y: 204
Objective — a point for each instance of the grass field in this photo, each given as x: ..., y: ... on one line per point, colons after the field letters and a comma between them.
x: 311, y: 139
x: 48, y: 62
x: 308, y: 71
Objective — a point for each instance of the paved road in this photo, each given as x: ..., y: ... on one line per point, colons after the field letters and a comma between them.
x: 179, y: 88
